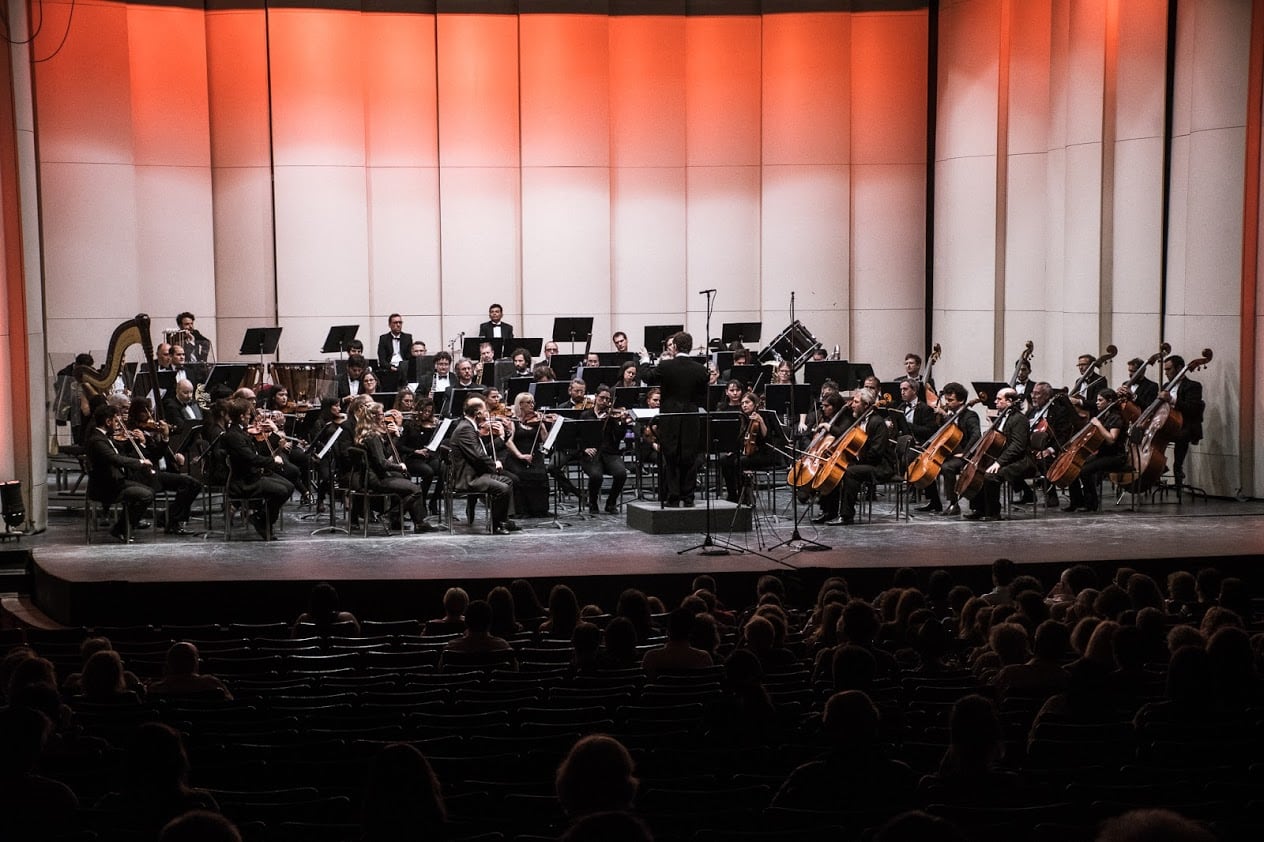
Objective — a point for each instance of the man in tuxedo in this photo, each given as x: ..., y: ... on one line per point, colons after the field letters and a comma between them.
x: 494, y: 328
x: 393, y: 346
x: 683, y: 380
x: 1013, y: 463
x: 108, y: 473
x: 440, y: 380
x: 476, y: 469
x: 1090, y: 382
x: 197, y: 348
x: 179, y: 408
x: 1187, y: 398
x: 1145, y: 390
x: 349, y: 383
x: 952, y: 398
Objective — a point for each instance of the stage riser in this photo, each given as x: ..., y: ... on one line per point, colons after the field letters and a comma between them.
x: 652, y: 519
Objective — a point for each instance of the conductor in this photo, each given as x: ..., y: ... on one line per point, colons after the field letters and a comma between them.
x: 683, y: 380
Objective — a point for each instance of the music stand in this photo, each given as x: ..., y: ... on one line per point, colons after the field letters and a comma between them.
x: 227, y: 374
x: 750, y: 375
x: 599, y: 375
x: 740, y: 332
x: 720, y: 433
x: 889, y: 392
x: 338, y: 338
x: 550, y: 393
x: 455, y: 398
x: 572, y: 329
x: 564, y: 364
x: 470, y: 346
x: 859, y: 373
x: 779, y: 397
x: 531, y: 345
x: 816, y: 372
x: 717, y: 395
x: 987, y: 389
x: 656, y: 336
x: 515, y: 386
x: 723, y: 361
x: 630, y: 397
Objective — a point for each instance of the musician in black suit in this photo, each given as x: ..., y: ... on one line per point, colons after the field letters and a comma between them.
x: 1014, y: 461
x: 1051, y: 425
x: 874, y: 463
x: 1187, y: 398
x: 410, y: 368
x: 180, y: 409
x: 393, y: 347
x: 494, y: 328
x: 607, y: 458
x: 197, y: 348
x: 349, y: 383
x: 683, y: 381
x: 250, y: 470
x: 919, y: 415
x: 952, y: 398
x: 476, y: 469
x: 1090, y: 382
x: 111, y: 472
x: 438, y: 381
x: 1145, y: 390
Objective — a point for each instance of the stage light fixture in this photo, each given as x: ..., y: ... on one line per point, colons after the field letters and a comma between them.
x: 11, y: 503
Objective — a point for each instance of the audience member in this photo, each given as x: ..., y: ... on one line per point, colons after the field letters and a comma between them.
x: 597, y: 775
x: 676, y: 655
x: 325, y: 615
x: 155, y: 781
x: 402, y: 798
x: 181, y: 676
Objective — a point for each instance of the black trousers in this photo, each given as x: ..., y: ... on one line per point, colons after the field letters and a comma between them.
x: 600, y: 465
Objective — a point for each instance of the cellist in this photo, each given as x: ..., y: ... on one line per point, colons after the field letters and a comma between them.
x: 951, y: 399
x: 874, y: 463
x: 1112, y: 455
x: 1012, y: 463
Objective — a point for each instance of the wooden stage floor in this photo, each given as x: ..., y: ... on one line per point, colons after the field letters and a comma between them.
x: 72, y: 582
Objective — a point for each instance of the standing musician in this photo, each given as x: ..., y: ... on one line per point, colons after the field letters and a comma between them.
x: 1089, y: 383
x: 197, y: 348
x: 1187, y: 398
x: 754, y: 453
x: 1052, y: 423
x: 1144, y: 391
x: 477, y: 469
x: 382, y: 471
x: 250, y: 470
x: 952, y: 398
x: 115, y: 475
x: 420, y: 460
x: 913, y: 370
x: 620, y: 341
x: 154, y: 440
x: 1112, y: 455
x: 494, y: 328
x: 527, y: 463
x: 394, y: 346
x: 607, y: 458
x: 1023, y: 385
x: 1014, y: 462
x: 875, y: 462
x: 683, y: 380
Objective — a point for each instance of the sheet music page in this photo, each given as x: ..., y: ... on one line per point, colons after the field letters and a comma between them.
x: 643, y: 412
x: 441, y: 432
x: 552, y: 437
x: 329, y: 444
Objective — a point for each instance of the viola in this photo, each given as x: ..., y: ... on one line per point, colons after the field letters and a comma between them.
x: 924, y: 470
x: 842, y: 453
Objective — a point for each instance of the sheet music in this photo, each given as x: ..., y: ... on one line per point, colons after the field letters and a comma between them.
x: 552, y: 437
x: 642, y: 413
x: 321, y: 453
x: 441, y: 432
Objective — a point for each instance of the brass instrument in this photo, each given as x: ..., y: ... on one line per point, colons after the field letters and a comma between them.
x: 179, y: 336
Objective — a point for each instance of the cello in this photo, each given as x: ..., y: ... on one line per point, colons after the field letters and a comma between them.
x: 1155, y: 429
x: 847, y: 448
x: 804, y: 469
x: 981, y: 456
x: 924, y: 470
x: 1082, y: 447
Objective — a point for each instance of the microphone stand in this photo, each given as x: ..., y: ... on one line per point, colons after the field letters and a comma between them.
x: 796, y: 542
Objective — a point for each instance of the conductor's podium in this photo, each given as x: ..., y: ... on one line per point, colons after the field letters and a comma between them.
x: 647, y: 516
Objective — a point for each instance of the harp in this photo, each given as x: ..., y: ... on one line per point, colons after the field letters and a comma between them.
x: 98, y: 381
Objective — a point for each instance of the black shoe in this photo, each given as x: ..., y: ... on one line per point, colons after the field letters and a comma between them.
x: 179, y: 529
x: 840, y: 521
x: 592, y: 508
x: 672, y: 504
x: 612, y: 509
x: 821, y: 520
x: 1025, y: 499
x: 510, y: 526
x: 119, y: 533
x: 975, y: 515
x: 260, y: 525
x: 930, y: 507
x: 952, y: 511
x: 421, y: 527
x: 1071, y: 507
x: 1051, y: 500
x: 141, y: 524
x: 688, y: 502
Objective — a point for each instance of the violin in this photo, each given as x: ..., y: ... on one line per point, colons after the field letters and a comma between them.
x: 756, y: 431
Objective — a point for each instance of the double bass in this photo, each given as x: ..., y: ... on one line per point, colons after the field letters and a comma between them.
x: 980, y: 458
x: 924, y: 470
x: 841, y: 454
x: 1089, y: 372
x: 928, y: 395
x: 1154, y: 429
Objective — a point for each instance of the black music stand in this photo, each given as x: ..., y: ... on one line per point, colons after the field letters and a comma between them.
x: 720, y: 434
x: 338, y: 338
x: 716, y: 395
x: 858, y: 373
x: 656, y: 336
x: 454, y: 400
x: 574, y: 435
x: 780, y: 397
x: 816, y: 372
x: 564, y: 364
x: 889, y: 393
x: 261, y: 341
x: 750, y: 375
x: 723, y: 361
x: 572, y: 329
x: 550, y: 393
x: 227, y: 374
x: 630, y: 397
x: 531, y: 345
x: 987, y: 389
x: 515, y: 386
x: 740, y: 332
x: 599, y: 375
x: 470, y: 347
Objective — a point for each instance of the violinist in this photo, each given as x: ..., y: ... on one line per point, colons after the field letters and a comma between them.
x: 524, y: 459
x: 422, y: 463
x: 607, y: 458
x: 155, y: 442
x: 382, y: 472
x: 1187, y: 397
x: 952, y: 398
x: 250, y: 471
x: 296, y: 466
x: 117, y: 473
x: 476, y: 468
x: 1112, y: 455
x: 1012, y: 463
x: 754, y: 454
x: 783, y: 373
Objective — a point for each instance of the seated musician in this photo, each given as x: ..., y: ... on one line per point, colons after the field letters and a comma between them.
x: 382, y: 470
x: 465, y: 375
x: 441, y: 379
x: 422, y: 463
x: 875, y: 462
x: 180, y: 408
x: 251, y: 471
x: 920, y: 418
x: 1023, y: 384
x: 1052, y: 423
x: 1187, y: 398
x: 525, y: 461
x: 647, y: 447
x: 952, y: 398
x: 155, y: 443
x: 1014, y: 462
x: 620, y: 341
x: 577, y: 399
x: 410, y: 369
x: 296, y: 465
x: 1089, y: 383
x: 836, y: 417
x: 550, y: 351
x: 810, y: 417
x: 629, y: 375
x: 577, y: 396
x: 543, y: 373
x: 755, y: 453
x: 732, y: 401
x: 713, y: 374
x: 1112, y: 455
x: 368, y: 386
x: 349, y: 384
x: 117, y: 474
x: 521, y: 358
x: 476, y: 469
x: 329, y: 421
x: 741, y: 356
x: 592, y: 359
x: 607, y: 458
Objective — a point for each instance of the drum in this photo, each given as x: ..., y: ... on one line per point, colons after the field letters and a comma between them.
x: 795, y: 344
x: 301, y: 380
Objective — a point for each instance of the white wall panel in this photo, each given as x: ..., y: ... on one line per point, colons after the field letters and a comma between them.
x: 724, y: 237
x: 1138, y: 226
x: 322, y: 240
x: 805, y: 242
x: 1214, y: 252
x: 566, y: 241
x: 647, y: 91
x: 969, y: 38
x: 1081, y: 272
x: 888, y: 267
x: 648, y: 240
x: 965, y: 238
x: 1026, y: 230
x: 244, y: 263
x: 175, y: 249
x: 404, y: 239
x: 480, y: 243
x: 807, y: 88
